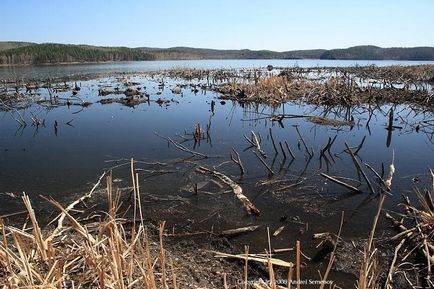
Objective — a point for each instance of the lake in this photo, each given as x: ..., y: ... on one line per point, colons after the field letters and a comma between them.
x: 65, y: 155
x: 45, y: 71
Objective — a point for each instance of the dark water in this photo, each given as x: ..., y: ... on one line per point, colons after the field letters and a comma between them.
x: 63, y: 163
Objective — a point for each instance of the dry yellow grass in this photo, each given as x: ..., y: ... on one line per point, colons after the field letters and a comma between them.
x: 112, y: 256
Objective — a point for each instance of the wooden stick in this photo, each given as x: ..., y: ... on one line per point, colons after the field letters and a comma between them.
x: 238, y: 191
x: 290, y: 150
x: 264, y: 163
x: 272, y: 140
x: 302, y: 140
x: 238, y: 161
x: 359, y: 168
x: 238, y: 231
x: 392, y: 266
x: 360, y: 145
x: 297, y: 267
x: 333, y: 141
x: 354, y: 189
x: 246, y: 267
x: 283, y: 151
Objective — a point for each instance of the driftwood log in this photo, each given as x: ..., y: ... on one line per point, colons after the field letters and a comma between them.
x: 238, y: 191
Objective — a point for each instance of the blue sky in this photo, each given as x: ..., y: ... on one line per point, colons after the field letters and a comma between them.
x: 275, y: 24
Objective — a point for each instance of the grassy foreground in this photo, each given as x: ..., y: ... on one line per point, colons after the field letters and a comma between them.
x: 117, y: 253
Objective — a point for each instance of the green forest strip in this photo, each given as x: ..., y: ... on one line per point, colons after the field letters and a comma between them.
x: 21, y: 53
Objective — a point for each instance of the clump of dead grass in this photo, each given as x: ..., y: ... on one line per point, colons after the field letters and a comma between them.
x: 110, y: 256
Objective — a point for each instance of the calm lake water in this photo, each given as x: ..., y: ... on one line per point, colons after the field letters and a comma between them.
x: 64, y: 161
x: 137, y: 66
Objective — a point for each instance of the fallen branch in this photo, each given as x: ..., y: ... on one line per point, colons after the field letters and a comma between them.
x: 238, y: 191
x: 352, y: 188
x: 237, y: 161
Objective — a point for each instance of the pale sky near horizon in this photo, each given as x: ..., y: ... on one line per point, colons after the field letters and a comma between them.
x: 226, y: 24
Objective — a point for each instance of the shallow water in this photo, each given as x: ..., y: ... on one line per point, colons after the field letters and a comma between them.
x: 45, y: 71
x: 61, y: 163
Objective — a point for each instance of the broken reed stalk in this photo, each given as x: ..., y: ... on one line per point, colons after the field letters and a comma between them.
x: 290, y: 150
x: 297, y: 266
x: 303, y: 142
x: 283, y: 151
x: 350, y: 187
x: 272, y: 140
x: 246, y: 266
x: 360, y: 146
x: 325, y: 147
x: 238, y: 191
x: 162, y: 256
x: 367, y: 274
x: 360, y: 169
x: 264, y: 163
x: 185, y: 149
x: 333, y: 254
x: 172, y: 269
x: 392, y: 268
x: 256, y: 143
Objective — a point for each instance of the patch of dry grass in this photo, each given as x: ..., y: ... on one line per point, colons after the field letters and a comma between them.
x: 110, y: 256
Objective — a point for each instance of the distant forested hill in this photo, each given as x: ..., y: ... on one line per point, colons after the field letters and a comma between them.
x: 203, y: 53
x: 60, y: 53
x: 13, y: 44
x: 378, y: 53
x: 25, y: 53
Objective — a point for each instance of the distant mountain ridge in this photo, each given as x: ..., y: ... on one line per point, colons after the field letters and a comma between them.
x: 26, y: 53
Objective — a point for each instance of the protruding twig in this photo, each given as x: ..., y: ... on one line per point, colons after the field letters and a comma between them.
x: 290, y: 150
x: 237, y: 160
x: 360, y: 169
x: 310, y: 153
x: 283, y: 151
x: 272, y: 140
x: 264, y: 163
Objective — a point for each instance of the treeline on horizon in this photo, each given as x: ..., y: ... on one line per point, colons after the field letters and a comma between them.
x: 21, y: 53
x: 61, y: 53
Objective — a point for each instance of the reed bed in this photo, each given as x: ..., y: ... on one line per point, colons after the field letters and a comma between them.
x: 414, y: 251
x: 111, y: 255
x: 330, y: 91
